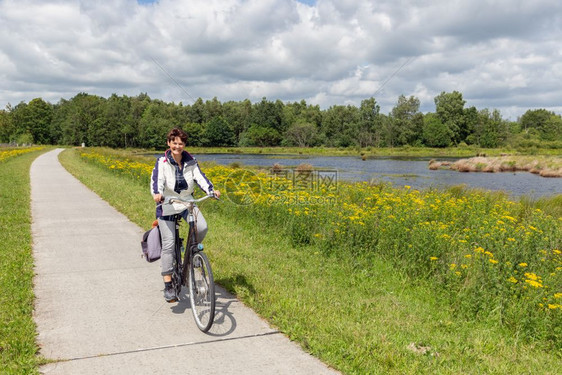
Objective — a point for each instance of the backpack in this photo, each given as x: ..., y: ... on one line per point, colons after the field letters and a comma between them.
x: 151, y: 244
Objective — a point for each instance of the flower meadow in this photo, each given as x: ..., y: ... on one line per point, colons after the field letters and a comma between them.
x: 13, y: 152
x: 490, y: 257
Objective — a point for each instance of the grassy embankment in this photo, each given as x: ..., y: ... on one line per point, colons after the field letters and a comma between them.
x: 545, y: 166
x: 17, y: 329
x: 368, y: 152
x: 335, y: 290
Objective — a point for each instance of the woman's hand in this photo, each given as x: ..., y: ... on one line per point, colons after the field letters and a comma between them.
x: 157, y: 198
x: 217, y: 194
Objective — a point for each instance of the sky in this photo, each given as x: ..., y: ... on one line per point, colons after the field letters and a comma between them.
x: 500, y: 54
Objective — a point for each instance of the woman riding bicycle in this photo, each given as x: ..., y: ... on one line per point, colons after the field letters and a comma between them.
x: 175, y: 173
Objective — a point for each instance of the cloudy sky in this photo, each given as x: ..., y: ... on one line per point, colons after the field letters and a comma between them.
x: 504, y: 54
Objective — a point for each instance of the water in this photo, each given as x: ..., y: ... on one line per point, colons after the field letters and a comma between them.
x: 399, y: 171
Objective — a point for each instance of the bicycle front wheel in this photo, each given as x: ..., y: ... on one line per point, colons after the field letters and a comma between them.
x: 202, y: 291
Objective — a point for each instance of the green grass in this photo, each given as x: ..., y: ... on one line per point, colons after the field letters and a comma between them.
x: 404, y: 151
x: 18, y: 348
x: 357, y: 318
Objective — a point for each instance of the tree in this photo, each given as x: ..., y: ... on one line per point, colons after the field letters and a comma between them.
x: 20, y: 120
x: 311, y: 114
x: 155, y: 123
x: 195, y: 134
x: 408, y: 120
x: 534, y: 119
x: 218, y: 133
x: 24, y: 139
x: 196, y: 112
x: 260, y: 136
x: 302, y: 134
x: 300, y: 111
x: 471, y: 119
x: 237, y: 115
x: 7, y: 130
x: 449, y: 108
x: 115, y: 123
x: 491, y: 130
x: 340, y: 125
x: 389, y: 132
x: 268, y: 115
x: 60, y: 114
x: 40, y: 115
x: 213, y: 108
x: 369, y: 121
x: 131, y: 132
x: 552, y: 129
x: 33, y: 119
x: 79, y: 115
x: 435, y: 132
x: 547, y: 124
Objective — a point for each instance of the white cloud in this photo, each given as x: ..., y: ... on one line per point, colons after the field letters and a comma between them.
x: 503, y: 54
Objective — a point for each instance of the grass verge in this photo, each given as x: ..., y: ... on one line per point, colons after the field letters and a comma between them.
x: 357, y: 319
x: 17, y: 330
x: 367, y: 152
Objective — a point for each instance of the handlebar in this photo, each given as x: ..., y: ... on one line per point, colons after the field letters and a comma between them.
x: 185, y: 203
x: 170, y: 200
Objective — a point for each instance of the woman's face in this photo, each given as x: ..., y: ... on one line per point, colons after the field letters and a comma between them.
x: 177, y: 146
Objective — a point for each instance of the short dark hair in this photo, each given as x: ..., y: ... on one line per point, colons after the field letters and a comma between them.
x: 175, y: 133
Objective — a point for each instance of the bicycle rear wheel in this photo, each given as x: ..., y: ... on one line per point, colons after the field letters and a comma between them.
x: 202, y: 291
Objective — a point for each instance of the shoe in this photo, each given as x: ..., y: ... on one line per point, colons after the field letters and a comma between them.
x: 170, y: 295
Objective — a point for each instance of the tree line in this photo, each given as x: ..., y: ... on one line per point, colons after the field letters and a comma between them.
x: 139, y: 121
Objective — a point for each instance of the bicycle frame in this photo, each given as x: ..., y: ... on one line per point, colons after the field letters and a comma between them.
x: 191, y: 245
x: 194, y: 270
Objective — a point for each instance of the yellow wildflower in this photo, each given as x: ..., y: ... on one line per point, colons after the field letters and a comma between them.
x: 534, y: 283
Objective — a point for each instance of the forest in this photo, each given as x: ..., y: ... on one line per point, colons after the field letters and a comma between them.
x: 140, y: 121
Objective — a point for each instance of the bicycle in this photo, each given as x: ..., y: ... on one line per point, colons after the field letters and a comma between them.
x: 194, y: 263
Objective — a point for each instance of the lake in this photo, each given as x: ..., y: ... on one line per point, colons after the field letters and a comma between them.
x: 402, y: 171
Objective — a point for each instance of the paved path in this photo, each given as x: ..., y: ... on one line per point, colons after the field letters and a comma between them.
x: 99, y: 306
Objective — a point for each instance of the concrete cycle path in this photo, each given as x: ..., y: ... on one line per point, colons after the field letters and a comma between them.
x: 99, y: 306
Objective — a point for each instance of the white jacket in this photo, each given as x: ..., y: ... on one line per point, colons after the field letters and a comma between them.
x: 163, y: 180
